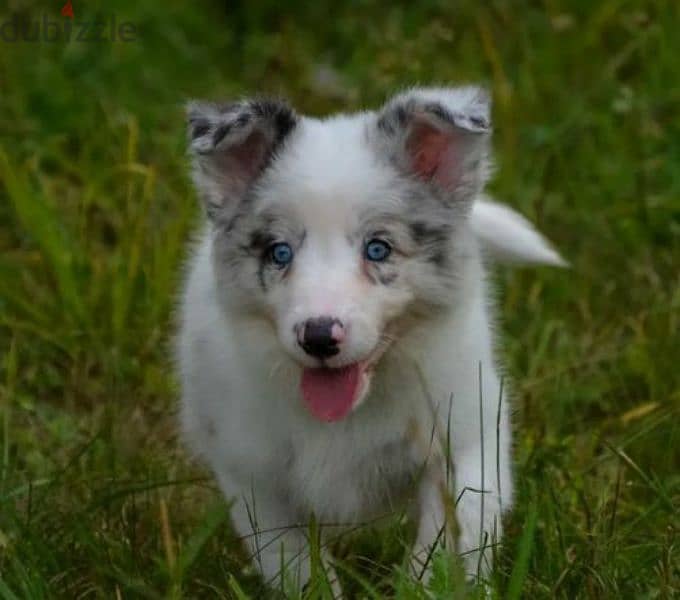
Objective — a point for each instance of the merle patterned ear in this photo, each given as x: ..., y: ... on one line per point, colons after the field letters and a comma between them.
x: 232, y: 144
x: 439, y: 135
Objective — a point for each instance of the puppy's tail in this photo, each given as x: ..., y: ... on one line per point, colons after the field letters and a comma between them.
x: 510, y: 238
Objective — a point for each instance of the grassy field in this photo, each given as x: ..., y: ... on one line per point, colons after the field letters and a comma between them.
x: 97, y: 497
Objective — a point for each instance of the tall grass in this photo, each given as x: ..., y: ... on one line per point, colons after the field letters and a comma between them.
x: 97, y: 498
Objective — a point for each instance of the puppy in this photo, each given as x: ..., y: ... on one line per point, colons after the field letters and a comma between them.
x: 336, y: 342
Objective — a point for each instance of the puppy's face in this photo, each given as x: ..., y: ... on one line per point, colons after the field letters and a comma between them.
x: 336, y: 229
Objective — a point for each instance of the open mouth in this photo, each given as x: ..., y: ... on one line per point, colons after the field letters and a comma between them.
x: 331, y: 394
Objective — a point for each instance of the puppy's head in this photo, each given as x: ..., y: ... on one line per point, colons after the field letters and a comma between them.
x: 337, y: 229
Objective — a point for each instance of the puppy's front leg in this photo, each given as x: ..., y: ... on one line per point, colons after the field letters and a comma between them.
x: 479, y: 506
x: 274, y: 541
x: 436, y: 524
x: 276, y: 544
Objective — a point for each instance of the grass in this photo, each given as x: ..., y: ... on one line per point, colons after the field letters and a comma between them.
x: 98, y: 499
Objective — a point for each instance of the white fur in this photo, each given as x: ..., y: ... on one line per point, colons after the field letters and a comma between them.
x: 509, y: 237
x: 240, y: 369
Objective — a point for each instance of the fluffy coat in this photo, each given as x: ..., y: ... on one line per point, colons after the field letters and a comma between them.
x: 293, y: 205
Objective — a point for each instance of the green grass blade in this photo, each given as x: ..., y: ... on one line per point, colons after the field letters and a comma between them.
x: 5, y: 592
x: 214, y: 518
x: 237, y: 589
x: 42, y: 223
x: 523, y: 555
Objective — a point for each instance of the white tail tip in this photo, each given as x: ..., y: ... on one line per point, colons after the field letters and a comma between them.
x: 511, y: 238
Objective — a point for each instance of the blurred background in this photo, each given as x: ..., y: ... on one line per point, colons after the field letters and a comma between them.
x: 97, y: 497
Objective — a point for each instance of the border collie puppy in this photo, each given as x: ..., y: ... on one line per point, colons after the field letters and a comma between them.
x: 336, y: 351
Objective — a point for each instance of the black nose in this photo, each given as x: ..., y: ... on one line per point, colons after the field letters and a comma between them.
x: 320, y: 337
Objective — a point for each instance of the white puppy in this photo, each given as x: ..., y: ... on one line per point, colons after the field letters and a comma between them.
x: 336, y: 345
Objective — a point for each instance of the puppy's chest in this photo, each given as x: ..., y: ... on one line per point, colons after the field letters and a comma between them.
x: 347, y: 475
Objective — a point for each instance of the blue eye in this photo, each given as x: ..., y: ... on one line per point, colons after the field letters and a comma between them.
x: 377, y: 250
x: 281, y: 254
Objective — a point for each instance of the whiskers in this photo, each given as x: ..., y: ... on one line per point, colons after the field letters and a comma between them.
x: 275, y: 368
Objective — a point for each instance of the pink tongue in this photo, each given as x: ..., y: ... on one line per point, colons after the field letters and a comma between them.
x: 330, y: 393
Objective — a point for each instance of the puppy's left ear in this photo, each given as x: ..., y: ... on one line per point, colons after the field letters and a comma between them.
x: 440, y: 136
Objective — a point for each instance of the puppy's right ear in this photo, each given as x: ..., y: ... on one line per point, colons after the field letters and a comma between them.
x: 232, y: 144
